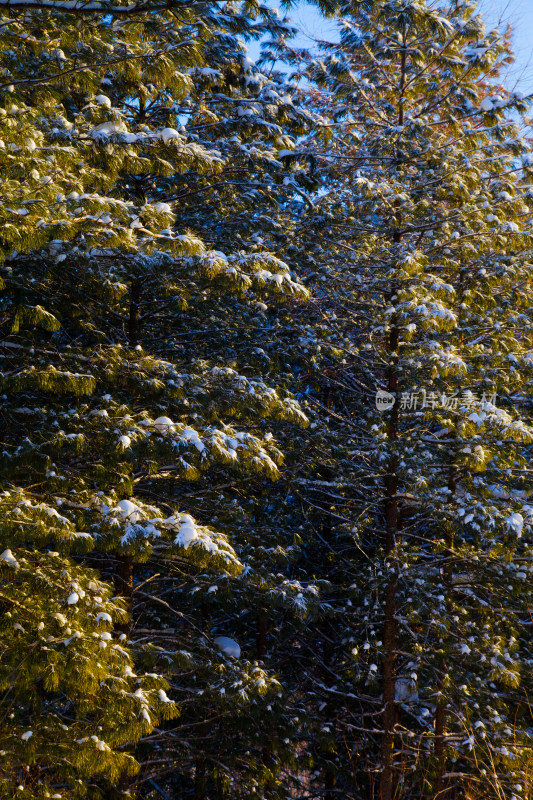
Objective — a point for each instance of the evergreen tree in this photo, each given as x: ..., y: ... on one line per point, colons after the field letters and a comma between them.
x: 421, y: 257
x: 71, y: 700
x: 352, y: 621
x: 101, y: 278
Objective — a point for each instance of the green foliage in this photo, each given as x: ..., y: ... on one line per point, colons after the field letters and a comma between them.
x: 123, y: 138
x: 418, y: 245
x: 71, y: 699
x: 180, y: 462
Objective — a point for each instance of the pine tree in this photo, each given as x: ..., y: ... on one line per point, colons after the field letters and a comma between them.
x: 71, y: 700
x: 110, y: 418
x: 421, y: 259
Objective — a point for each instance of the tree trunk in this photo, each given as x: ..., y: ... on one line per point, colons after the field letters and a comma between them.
x: 386, y: 789
x: 123, y: 571
x: 441, y: 790
x: 123, y: 581
x: 440, y: 749
x: 219, y: 783
x: 199, y: 779
x: 261, y: 635
x: 328, y: 632
x: 330, y: 782
x: 134, y: 320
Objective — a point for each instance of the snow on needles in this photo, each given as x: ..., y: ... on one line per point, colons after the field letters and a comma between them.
x: 142, y: 526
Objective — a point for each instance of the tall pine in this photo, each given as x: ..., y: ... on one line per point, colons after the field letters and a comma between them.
x: 421, y: 262
x: 103, y: 274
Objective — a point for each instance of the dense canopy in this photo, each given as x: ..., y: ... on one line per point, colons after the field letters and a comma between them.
x: 265, y: 364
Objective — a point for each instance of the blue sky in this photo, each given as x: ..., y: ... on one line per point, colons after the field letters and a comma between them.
x: 518, y: 13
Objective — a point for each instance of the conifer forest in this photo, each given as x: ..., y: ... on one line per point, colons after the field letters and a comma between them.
x: 266, y: 384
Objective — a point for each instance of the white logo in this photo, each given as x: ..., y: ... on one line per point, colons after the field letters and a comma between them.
x: 384, y: 400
